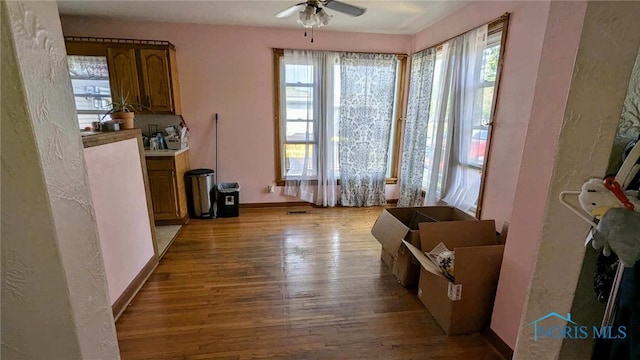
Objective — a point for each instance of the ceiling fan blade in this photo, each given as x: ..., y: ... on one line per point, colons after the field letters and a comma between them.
x: 291, y: 10
x: 344, y: 8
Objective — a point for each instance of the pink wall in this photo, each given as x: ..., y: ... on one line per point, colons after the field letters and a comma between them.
x: 229, y: 70
x: 121, y: 211
x: 513, y: 115
x: 562, y: 37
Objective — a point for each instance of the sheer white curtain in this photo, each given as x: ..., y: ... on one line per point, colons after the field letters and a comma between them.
x: 450, y: 130
x: 366, y: 115
x: 462, y: 185
x: 314, y: 177
x: 415, y: 130
x: 437, y: 130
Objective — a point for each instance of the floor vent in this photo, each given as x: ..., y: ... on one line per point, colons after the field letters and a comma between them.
x: 296, y: 212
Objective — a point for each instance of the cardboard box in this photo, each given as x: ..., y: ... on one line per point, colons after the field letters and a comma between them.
x: 403, y: 266
x: 386, y: 258
x: 397, y: 224
x: 465, y: 305
x: 406, y: 268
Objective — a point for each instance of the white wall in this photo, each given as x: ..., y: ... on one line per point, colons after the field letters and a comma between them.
x: 54, y: 293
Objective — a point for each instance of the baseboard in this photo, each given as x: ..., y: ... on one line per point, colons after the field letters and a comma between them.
x: 130, y: 292
x: 274, y: 204
x: 498, y: 344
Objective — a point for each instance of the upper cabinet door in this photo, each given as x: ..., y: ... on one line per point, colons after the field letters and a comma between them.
x: 123, y: 74
x: 155, y: 78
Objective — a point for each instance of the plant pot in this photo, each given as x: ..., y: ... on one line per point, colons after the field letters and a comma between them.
x: 126, y: 118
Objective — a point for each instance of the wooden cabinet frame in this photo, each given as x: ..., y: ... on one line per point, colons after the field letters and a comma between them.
x: 156, y: 79
x: 123, y: 74
x: 156, y: 84
x: 167, y: 188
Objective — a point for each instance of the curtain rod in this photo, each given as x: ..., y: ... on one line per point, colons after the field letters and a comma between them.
x: 501, y: 18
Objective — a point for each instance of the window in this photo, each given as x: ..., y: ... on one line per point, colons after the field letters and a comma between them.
x: 457, y: 147
x: 299, y: 125
x: 296, y: 85
x: 485, y: 95
x: 91, y: 91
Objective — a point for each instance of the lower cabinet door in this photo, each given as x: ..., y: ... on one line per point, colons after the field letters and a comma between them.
x: 162, y: 184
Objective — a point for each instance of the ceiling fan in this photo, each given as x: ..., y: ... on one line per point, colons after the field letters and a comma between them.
x: 311, y: 12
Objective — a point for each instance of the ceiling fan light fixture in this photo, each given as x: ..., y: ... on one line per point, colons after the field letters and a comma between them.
x: 323, y: 18
x: 307, y: 17
x: 311, y: 12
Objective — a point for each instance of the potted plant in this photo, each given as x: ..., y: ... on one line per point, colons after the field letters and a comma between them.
x: 123, y: 110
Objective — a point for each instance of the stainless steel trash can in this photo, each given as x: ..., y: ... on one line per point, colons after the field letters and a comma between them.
x: 201, y: 186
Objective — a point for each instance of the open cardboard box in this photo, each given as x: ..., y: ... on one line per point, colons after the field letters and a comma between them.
x: 463, y: 306
x: 397, y: 224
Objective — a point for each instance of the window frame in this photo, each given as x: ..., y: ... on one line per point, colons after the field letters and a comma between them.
x: 396, y: 131
x: 100, y: 114
x: 500, y: 24
x: 286, y: 121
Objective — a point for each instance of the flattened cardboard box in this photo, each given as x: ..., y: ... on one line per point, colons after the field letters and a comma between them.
x: 463, y: 306
x: 397, y: 224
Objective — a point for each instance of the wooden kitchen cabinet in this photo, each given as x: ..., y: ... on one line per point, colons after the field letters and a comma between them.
x: 167, y: 187
x: 163, y: 193
x: 123, y: 74
x: 147, y: 75
x: 156, y: 80
x: 145, y: 71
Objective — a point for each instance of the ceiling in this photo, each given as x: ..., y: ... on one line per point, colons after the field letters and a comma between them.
x: 382, y: 16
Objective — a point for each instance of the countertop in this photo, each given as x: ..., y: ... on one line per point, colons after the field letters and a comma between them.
x: 97, y: 138
x: 149, y: 153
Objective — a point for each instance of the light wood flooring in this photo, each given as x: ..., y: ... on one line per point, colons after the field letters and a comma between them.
x: 272, y: 285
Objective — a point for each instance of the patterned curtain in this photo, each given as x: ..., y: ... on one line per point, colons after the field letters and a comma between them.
x: 415, y: 131
x: 366, y: 115
x: 88, y: 67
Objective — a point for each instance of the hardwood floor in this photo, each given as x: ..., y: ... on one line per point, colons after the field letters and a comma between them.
x: 272, y: 285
